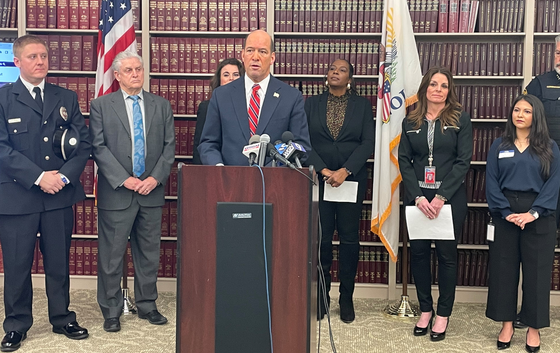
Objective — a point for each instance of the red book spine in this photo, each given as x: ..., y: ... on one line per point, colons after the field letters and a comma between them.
x: 174, y: 180
x: 173, y: 54
x: 235, y: 17
x: 184, y: 15
x: 168, y: 15
x: 76, y: 53
x: 32, y: 13
x: 164, y: 54
x: 135, y: 4
x: 453, y: 26
x: 190, y: 97
x: 176, y: 17
x: 195, y: 55
x: 204, y: 47
x: 87, y: 53
x: 183, y: 137
x: 173, y: 219
x: 83, y: 14
x: 187, y: 54
x: 79, y: 257
x: 51, y: 13
x: 174, y: 247
x: 203, y: 15
x: 168, y: 261
x: 213, y: 54
x: 88, y: 216
x: 80, y: 217
x: 87, y: 257
x: 74, y: 16
x: 154, y: 86
x: 193, y: 17
x: 173, y: 94
x: 262, y: 14
x: 190, y: 141
x: 164, y: 88
x: 41, y: 13
x: 213, y: 16
x: 129, y: 262
x: 153, y: 15
x: 177, y: 125
x: 165, y: 220
x: 93, y: 14
x: 182, y: 96
x: 253, y: 15
x: 155, y: 58
x: 53, y: 43
x: 72, y: 257
x: 95, y: 218
x: 94, y: 252
x: 65, y: 53
x: 464, y: 16
x: 227, y: 17
x: 83, y: 93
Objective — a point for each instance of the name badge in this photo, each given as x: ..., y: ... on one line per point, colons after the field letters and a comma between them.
x: 506, y: 154
x: 14, y: 120
x: 430, y: 175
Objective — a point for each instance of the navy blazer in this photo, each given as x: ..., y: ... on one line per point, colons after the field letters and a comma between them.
x: 355, y: 142
x: 26, y: 148
x: 226, y: 130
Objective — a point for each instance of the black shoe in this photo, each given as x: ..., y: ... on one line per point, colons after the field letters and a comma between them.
x: 112, y: 324
x: 439, y: 336
x: 154, y: 317
x: 72, y: 330
x: 518, y: 323
x: 532, y: 349
x: 347, y: 314
x: 504, y: 345
x: 12, y: 341
x: 422, y: 331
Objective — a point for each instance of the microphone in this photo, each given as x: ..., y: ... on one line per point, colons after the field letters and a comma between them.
x: 293, y: 150
x: 273, y: 153
x: 264, y: 140
x: 252, y: 150
x: 277, y: 143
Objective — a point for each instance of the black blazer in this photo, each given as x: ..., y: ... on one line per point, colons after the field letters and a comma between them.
x: 200, y: 120
x: 355, y: 142
x: 452, y: 156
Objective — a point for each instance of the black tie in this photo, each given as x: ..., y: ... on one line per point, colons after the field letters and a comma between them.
x: 38, y: 98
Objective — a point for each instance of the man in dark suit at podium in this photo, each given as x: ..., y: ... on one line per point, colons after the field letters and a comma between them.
x: 255, y: 104
x: 39, y: 183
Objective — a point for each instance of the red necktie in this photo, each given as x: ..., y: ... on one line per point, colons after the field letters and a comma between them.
x: 254, y: 109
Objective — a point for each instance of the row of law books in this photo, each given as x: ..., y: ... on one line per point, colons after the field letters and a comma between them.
x: 474, y: 227
x: 184, y: 139
x: 75, y: 52
x: 184, y: 95
x: 501, y: 16
x: 8, y: 13
x: 483, y: 137
x: 453, y: 16
x: 472, y: 268
x: 373, y: 265
x: 473, y: 59
x: 207, y: 15
x: 298, y: 56
x: 547, y: 16
x: 543, y: 57
x: 366, y: 89
x: 83, y: 86
x: 487, y: 102
x: 192, y: 55
x: 346, y: 16
x: 70, y: 14
x: 475, y: 182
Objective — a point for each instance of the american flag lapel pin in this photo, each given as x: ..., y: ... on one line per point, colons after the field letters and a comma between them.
x: 276, y: 95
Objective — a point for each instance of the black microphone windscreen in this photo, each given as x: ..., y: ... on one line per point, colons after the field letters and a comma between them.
x: 287, y: 136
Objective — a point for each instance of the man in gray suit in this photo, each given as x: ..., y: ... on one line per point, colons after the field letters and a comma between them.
x: 134, y: 148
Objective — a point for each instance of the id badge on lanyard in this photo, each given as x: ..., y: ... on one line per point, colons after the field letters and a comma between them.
x: 430, y: 174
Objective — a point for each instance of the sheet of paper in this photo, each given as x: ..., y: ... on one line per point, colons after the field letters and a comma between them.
x: 346, y: 192
x: 421, y: 227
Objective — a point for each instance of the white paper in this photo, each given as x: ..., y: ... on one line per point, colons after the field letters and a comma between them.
x: 490, y: 232
x: 346, y: 192
x: 421, y: 227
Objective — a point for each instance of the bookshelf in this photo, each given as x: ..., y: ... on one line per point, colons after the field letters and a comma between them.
x: 526, y: 38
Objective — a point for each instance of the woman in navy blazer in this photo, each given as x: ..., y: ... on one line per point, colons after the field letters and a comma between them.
x: 342, y: 135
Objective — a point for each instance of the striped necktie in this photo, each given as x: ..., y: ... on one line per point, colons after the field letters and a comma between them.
x: 254, y: 109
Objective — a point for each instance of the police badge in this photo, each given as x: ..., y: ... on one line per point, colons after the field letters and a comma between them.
x: 64, y: 113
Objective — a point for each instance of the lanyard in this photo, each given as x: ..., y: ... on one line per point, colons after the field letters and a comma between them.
x: 431, y: 128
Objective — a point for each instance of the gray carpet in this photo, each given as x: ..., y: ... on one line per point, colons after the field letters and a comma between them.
x: 373, y: 331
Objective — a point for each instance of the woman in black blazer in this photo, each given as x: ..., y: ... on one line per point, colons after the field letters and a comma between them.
x: 342, y: 135
x: 228, y: 70
x: 434, y: 176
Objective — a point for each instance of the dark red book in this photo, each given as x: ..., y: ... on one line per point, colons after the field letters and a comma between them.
x: 129, y: 263
x: 227, y: 16
x: 94, y: 251
x: 94, y: 14
x: 173, y: 219
x: 183, y: 140
x: 174, y: 54
x: 40, y: 10
x: 172, y: 94
x: 164, y: 54
x: 261, y: 14
x: 235, y: 15
x: 88, y: 53
x: 159, y: 14
x: 203, y: 15
x: 165, y: 220
x: 155, y: 57
x: 182, y: 96
x: 74, y: 14
x: 244, y: 15
x: 195, y: 55
x: 184, y: 15
x: 176, y: 15
x: 65, y: 53
x: 190, y: 97
x: 87, y: 257
x: 204, y: 55
x: 168, y: 259
x: 79, y: 217
x: 213, y: 16
x: 51, y: 13
x: 32, y: 13
x: 72, y: 257
x: 88, y: 216
x: 79, y: 257
x: 76, y: 53
x: 164, y: 88
x: 53, y: 43
x: 83, y: 14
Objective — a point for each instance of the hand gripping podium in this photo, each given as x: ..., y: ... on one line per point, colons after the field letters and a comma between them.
x: 221, y: 278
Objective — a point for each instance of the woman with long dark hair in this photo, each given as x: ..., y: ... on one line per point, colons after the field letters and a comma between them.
x: 522, y: 178
x: 227, y: 71
x: 342, y: 135
x: 434, y: 157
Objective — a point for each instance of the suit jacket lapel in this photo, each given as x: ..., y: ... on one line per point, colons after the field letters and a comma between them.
x: 50, y: 100
x: 120, y: 109
x: 25, y: 97
x: 323, y: 99
x: 149, y: 110
x: 240, y: 105
x: 268, y: 106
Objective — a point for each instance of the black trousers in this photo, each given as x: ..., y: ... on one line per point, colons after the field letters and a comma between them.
x: 533, y: 247
x: 345, y: 218
x: 446, y: 250
x: 18, y: 235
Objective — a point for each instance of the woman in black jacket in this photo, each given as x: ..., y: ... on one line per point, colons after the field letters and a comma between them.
x: 228, y: 70
x: 342, y: 134
x: 434, y: 157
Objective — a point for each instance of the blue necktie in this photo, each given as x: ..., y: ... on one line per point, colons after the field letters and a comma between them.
x: 139, y: 162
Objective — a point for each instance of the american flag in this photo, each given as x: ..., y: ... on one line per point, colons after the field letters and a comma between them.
x: 116, y: 34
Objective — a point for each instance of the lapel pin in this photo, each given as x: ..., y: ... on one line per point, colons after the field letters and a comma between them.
x: 276, y: 95
x: 64, y: 113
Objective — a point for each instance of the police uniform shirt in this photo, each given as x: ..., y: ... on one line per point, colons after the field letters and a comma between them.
x: 509, y: 169
x: 546, y: 87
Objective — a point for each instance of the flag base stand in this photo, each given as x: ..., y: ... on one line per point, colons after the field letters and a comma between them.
x: 402, y: 308
x: 128, y: 306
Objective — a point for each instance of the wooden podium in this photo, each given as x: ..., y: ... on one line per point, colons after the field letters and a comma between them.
x: 293, y: 260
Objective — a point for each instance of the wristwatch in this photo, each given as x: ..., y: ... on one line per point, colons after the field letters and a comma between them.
x: 534, y: 213
x: 348, y: 171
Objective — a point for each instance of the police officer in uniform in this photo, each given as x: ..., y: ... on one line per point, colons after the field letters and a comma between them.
x: 546, y: 87
x: 44, y: 146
